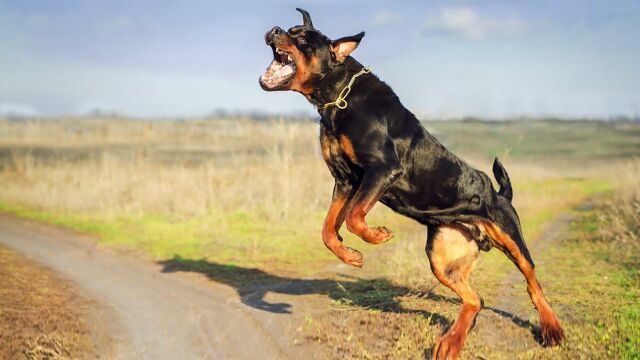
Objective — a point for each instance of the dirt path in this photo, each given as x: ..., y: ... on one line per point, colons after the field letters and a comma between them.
x: 155, y: 313
x: 184, y: 308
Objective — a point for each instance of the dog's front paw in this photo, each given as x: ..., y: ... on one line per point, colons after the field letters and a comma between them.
x: 379, y: 235
x: 352, y: 257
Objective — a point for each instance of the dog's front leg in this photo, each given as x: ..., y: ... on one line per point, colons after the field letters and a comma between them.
x: 342, y: 195
x: 375, y: 182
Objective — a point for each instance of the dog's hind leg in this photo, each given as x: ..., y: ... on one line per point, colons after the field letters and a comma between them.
x: 452, y: 255
x: 508, y: 238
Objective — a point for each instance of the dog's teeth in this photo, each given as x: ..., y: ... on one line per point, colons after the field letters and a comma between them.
x: 289, y: 58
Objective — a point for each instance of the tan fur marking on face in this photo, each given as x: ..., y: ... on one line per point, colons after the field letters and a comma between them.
x: 304, y: 72
x: 304, y: 69
x: 347, y: 147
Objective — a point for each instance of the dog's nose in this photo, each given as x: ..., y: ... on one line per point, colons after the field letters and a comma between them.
x: 271, y: 34
x: 276, y: 30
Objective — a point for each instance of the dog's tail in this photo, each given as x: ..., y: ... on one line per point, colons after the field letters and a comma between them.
x: 502, y: 178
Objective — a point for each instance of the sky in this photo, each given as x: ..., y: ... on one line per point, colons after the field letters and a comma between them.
x: 445, y: 59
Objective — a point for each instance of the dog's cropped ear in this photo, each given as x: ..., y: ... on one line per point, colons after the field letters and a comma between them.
x: 306, y: 18
x: 344, y: 46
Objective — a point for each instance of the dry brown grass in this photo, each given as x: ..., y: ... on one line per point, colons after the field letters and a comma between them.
x: 132, y: 167
x: 124, y: 167
x: 620, y: 216
x: 41, y: 316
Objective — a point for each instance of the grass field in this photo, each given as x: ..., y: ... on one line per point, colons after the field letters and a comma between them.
x: 253, y: 194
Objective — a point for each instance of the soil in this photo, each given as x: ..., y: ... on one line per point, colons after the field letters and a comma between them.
x: 45, y: 317
x: 166, y: 310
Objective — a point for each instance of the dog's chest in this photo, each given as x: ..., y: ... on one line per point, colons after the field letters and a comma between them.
x: 339, y: 154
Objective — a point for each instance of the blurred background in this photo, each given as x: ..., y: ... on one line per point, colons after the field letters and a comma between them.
x: 491, y: 59
x: 142, y: 123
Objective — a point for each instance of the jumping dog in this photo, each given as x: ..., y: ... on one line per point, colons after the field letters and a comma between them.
x: 377, y: 150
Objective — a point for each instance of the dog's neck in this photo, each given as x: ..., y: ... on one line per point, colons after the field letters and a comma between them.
x: 329, y: 87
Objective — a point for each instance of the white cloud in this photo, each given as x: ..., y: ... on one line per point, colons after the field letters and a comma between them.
x: 467, y: 23
x: 385, y: 18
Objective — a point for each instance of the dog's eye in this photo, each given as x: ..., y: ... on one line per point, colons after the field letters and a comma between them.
x: 302, y: 41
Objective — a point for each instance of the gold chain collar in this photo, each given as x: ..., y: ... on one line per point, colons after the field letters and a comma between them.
x: 341, y: 102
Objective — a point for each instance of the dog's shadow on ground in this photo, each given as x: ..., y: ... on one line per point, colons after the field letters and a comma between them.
x: 252, y: 285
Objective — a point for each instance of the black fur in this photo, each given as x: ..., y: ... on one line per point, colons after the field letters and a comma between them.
x: 397, y: 161
x: 433, y: 186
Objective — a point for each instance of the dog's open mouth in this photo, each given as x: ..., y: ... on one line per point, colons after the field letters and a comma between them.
x: 280, y: 72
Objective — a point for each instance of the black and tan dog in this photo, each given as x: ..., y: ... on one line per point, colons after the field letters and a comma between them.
x: 377, y: 150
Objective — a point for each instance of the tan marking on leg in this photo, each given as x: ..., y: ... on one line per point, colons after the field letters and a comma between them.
x: 452, y: 255
x: 330, y: 235
x: 358, y: 226
x: 552, y: 333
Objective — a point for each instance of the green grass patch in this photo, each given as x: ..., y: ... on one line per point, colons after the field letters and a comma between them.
x: 628, y: 314
x: 540, y: 140
x: 598, y: 293
x: 235, y: 237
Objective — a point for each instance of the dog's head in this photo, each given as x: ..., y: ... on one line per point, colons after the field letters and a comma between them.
x: 303, y: 55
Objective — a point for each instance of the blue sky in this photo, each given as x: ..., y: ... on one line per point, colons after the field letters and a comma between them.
x: 444, y: 58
